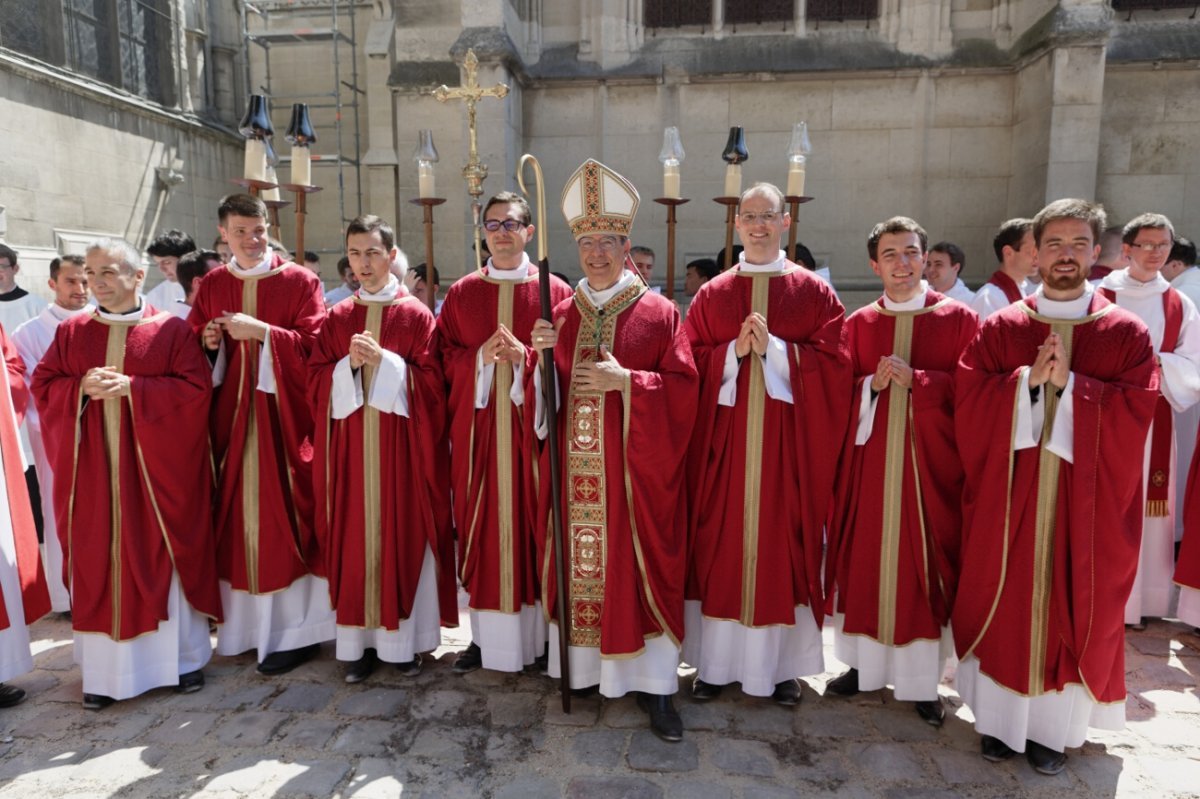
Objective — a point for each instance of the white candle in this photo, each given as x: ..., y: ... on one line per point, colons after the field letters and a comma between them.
x: 733, y: 180
x: 425, y: 180
x: 271, y: 194
x: 795, y: 183
x: 301, y: 166
x: 671, y: 179
x: 256, y: 160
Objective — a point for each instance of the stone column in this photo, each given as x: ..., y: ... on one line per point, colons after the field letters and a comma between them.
x: 381, y: 192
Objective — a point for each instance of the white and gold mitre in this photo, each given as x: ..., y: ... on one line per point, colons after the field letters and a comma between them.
x: 598, y: 200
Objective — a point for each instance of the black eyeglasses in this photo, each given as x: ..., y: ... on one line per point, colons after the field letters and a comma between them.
x: 511, y: 225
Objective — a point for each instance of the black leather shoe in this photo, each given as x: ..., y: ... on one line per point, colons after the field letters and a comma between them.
x: 994, y: 750
x: 1044, y: 759
x: 468, y: 660
x: 933, y: 712
x: 11, y: 695
x: 96, y: 701
x: 787, y: 693
x: 410, y: 668
x: 1137, y: 628
x: 703, y: 691
x: 541, y: 663
x: 287, y: 659
x: 664, y: 719
x: 845, y: 685
x: 584, y: 693
x: 362, y: 668
x: 190, y: 683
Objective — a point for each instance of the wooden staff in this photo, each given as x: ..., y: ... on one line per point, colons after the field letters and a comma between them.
x: 557, y: 533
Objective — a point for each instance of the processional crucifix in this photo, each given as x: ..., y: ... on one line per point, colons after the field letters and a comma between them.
x: 474, y: 172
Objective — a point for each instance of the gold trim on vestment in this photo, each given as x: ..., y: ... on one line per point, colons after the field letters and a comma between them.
x: 250, y: 478
x: 372, y: 525
x: 114, y: 357
x: 1049, y: 465
x: 760, y: 289
x: 504, y: 478
x: 899, y: 399
x: 585, y: 489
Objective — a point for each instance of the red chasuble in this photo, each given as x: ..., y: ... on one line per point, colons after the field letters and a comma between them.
x: 897, y: 519
x: 1001, y: 280
x: 622, y: 463
x: 35, y: 597
x: 761, y: 472
x: 379, y: 494
x: 491, y: 453
x: 1050, y: 548
x: 1187, y: 567
x: 261, y: 442
x: 133, y: 496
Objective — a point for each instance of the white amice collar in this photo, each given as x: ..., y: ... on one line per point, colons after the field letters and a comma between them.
x: 598, y: 298
x: 1121, y: 280
x: 915, y: 304
x: 1065, y: 309
x: 520, y: 272
x: 774, y: 266
x: 385, y: 294
x: 261, y: 268
x: 63, y: 314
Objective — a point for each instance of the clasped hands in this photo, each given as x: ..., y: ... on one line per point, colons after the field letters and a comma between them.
x: 891, y: 369
x: 1051, y: 365
x: 503, y: 346
x: 239, y: 326
x: 105, y: 382
x: 599, y: 376
x: 364, y: 349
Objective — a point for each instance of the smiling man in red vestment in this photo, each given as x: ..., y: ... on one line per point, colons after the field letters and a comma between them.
x: 1053, y: 399
x: 893, y: 543
x: 774, y: 400
x: 123, y: 395
x: 377, y: 391
x: 483, y: 333
x: 627, y: 387
x: 257, y: 318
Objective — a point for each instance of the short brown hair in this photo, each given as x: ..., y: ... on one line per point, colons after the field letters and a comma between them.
x: 1135, y: 225
x: 1010, y: 235
x: 369, y: 224
x: 510, y: 198
x: 241, y: 204
x: 897, y: 224
x: 56, y: 264
x: 1071, y: 208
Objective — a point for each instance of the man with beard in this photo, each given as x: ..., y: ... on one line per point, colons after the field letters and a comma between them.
x: 1051, y: 398
x: 32, y: 339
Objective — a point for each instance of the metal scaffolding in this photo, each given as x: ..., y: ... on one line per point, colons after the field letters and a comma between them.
x: 267, y: 24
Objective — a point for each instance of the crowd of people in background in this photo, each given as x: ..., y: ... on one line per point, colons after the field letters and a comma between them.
x: 943, y: 474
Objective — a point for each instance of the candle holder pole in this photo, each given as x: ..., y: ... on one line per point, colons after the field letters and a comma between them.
x: 671, y: 203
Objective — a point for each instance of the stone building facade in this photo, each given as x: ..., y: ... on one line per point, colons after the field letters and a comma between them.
x: 117, y: 118
x: 960, y: 113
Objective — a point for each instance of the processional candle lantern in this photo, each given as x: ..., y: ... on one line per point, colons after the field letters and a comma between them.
x: 798, y: 153
x: 256, y: 127
x: 735, y: 153
x: 671, y: 157
x: 300, y: 135
x: 426, y: 155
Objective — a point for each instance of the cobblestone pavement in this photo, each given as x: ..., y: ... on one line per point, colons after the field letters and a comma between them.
x: 504, y: 736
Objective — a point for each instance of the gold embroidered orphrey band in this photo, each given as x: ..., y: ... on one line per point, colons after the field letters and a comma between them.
x: 587, y: 522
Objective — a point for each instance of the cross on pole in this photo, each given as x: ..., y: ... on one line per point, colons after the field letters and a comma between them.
x: 471, y: 93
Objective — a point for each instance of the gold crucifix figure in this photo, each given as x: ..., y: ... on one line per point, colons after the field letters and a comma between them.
x: 471, y: 93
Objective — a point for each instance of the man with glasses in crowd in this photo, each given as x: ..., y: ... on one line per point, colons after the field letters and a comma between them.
x: 774, y: 404
x: 484, y: 332
x: 1174, y: 326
